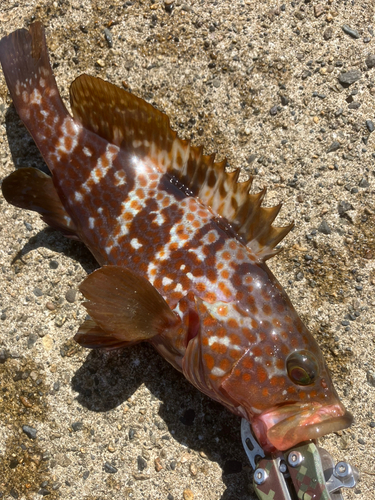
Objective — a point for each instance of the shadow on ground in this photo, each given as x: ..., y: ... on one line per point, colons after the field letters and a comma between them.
x: 107, y: 379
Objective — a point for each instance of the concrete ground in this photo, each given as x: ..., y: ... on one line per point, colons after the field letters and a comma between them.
x: 287, y: 93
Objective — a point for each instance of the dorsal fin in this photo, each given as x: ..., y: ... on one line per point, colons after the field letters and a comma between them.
x: 134, y: 125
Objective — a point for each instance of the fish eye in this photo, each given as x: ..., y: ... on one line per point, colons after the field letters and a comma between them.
x: 302, y: 368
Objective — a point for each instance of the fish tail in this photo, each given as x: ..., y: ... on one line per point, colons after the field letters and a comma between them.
x: 29, y: 76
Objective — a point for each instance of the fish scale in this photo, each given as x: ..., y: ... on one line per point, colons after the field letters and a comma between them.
x: 182, y: 245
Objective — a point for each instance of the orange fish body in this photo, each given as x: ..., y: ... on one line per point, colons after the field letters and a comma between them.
x: 183, y: 247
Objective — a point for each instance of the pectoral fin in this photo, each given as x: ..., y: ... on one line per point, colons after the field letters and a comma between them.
x: 125, y: 308
x: 32, y: 189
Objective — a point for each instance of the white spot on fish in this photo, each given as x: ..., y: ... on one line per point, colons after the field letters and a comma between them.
x: 135, y: 243
x: 166, y: 281
x: 78, y: 196
x: 91, y: 222
x: 218, y: 372
x: 42, y: 82
x: 87, y: 152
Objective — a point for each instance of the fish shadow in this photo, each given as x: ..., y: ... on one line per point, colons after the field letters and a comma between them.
x: 107, y: 379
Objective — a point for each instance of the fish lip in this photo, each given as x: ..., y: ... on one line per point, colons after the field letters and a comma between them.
x: 283, y: 427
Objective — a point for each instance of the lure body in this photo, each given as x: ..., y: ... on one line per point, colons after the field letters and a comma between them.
x: 183, y: 247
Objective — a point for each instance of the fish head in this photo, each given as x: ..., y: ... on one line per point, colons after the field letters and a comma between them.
x: 279, y: 381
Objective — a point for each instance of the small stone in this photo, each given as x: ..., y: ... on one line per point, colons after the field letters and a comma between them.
x: 370, y: 61
x: 47, y: 342
x: 28, y: 226
x: 108, y: 37
x: 50, y: 306
x: 110, y: 468
x: 158, y: 465
x: 370, y: 126
x: 86, y: 474
x: 328, y: 33
x: 370, y: 376
x: 350, y: 31
x: 44, y: 492
x: 29, y: 431
x: 4, y: 355
x: 363, y: 183
x: 53, y: 264
x: 71, y: 295
x: 350, y: 77
x: 319, y: 10
x: 33, y: 337
x: 141, y: 463
x: 188, y: 494
x: 193, y: 469
x: 361, y: 441
x: 100, y: 63
x: 284, y: 100
x: 334, y: 147
x: 324, y: 228
x: 77, y: 426
x: 273, y: 111
x: 168, y: 5
x: 216, y: 83
x: 37, y: 292
x: 343, y: 207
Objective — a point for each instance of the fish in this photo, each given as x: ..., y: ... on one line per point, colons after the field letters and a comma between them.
x: 182, y: 247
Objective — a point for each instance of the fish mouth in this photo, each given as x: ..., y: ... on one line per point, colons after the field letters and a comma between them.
x: 285, y: 426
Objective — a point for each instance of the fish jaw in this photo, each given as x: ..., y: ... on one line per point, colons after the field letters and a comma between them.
x: 285, y: 426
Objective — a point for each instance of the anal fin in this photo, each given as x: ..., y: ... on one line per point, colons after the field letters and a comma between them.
x: 125, y: 306
x: 90, y: 335
x: 32, y: 189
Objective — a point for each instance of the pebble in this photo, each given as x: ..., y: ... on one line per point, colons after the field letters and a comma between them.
x: 158, y: 465
x: 44, y: 492
x: 334, y: 147
x: 319, y: 9
x: 216, y: 83
x: 110, y: 468
x: 168, y: 5
x: 370, y: 126
x: 350, y: 77
x: 343, y: 207
x: 4, y: 355
x: 328, y: 33
x: 324, y: 228
x: 53, y: 264
x: 71, y: 295
x: 77, y: 426
x: 370, y: 376
x: 29, y: 431
x: 141, y: 463
x: 37, y: 292
x: 108, y: 37
x: 370, y: 61
x: 273, y: 111
x: 188, y: 494
x: 363, y: 183
x: 350, y: 31
x: 33, y: 337
x: 100, y: 63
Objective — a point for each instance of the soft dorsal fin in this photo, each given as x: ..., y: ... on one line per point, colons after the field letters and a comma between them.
x: 134, y: 125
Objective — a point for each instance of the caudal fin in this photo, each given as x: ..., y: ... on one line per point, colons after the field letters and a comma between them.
x: 28, y: 73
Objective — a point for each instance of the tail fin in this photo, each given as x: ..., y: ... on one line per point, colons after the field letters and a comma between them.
x: 28, y: 73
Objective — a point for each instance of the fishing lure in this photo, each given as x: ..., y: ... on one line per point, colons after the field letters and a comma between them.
x: 182, y: 245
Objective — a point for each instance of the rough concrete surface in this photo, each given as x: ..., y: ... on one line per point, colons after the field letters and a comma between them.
x: 259, y: 83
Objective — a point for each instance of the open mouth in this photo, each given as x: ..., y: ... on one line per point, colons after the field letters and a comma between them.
x: 285, y: 426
